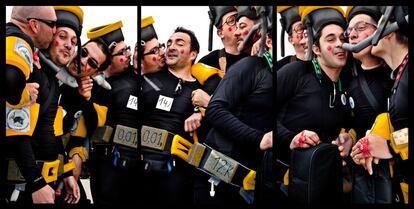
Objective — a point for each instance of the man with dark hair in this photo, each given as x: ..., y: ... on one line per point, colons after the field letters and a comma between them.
x: 152, y: 53
x: 166, y: 97
x: 309, y: 109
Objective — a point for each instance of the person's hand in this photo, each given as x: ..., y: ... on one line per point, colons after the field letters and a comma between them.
x: 200, y: 98
x: 72, y: 190
x: 267, y: 141
x: 32, y: 88
x: 44, y: 195
x: 371, y: 145
x: 192, y: 123
x: 85, y: 87
x: 344, y: 143
x: 78, y: 166
x: 304, y: 139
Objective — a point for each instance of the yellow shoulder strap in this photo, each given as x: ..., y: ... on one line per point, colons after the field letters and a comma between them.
x: 19, y: 54
x: 202, y: 72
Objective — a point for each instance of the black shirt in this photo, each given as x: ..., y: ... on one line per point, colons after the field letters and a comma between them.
x: 167, y: 108
x: 212, y: 59
x: 379, y: 83
x: 240, y: 111
x: 303, y: 103
x: 286, y: 60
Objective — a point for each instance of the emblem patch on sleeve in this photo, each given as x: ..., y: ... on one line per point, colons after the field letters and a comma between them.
x: 18, y: 119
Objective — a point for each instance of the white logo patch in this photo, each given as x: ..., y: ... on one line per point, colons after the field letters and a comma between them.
x: 24, y: 52
x: 18, y: 119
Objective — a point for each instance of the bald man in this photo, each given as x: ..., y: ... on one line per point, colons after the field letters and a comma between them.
x: 29, y: 27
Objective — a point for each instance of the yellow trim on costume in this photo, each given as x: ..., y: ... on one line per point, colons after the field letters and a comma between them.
x: 34, y: 114
x: 24, y: 100
x: 286, y: 178
x: 80, y: 128
x: 348, y: 10
x: 280, y: 9
x: 305, y: 10
x: 69, y: 166
x: 202, y: 72
x: 101, y: 112
x: 81, y: 151
x: 249, y: 181
x: 58, y: 124
x: 76, y: 10
x: 147, y: 21
x: 15, y: 59
x: 103, y: 30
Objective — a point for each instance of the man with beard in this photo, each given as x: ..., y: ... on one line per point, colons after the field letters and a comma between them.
x: 166, y: 97
x: 309, y: 109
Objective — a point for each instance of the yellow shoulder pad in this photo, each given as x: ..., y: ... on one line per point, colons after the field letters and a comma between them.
x: 101, y: 112
x: 19, y: 54
x: 202, y: 72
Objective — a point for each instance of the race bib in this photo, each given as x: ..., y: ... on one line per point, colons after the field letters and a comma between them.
x: 133, y: 102
x: 153, y: 137
x: 127, y: 136
x: 18, y: 119
x: 164, y: 103
x: 221, y: 166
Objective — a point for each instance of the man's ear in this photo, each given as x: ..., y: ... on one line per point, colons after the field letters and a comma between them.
x: 193, y: 55
x: 316, y: 50
x: 220, y: 33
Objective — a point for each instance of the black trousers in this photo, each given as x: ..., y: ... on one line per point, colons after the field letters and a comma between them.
x: 113, y: 185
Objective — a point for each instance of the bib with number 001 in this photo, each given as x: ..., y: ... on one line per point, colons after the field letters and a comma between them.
x: 127, y: 136
x: 155, y: 138
x: 221, y: 166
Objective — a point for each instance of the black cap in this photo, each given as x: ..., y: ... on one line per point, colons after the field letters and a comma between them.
x: 318, y: 17
x: 372, y: 11
x: 217, y: 12
x: 147, y: 29
x: 107, y: 34
x: 69, y: 16
x: 248, y: 11
x: 288, y: 16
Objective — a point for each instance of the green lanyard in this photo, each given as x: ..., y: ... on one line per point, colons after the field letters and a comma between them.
x: 268, y: 57
x: 318, y: 72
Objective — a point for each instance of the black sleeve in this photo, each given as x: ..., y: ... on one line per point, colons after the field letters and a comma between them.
x: 287, y: 79
x: 15, y: 84
x: 228, y: 95
x: 211, y: 84
x: 22, y: 151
